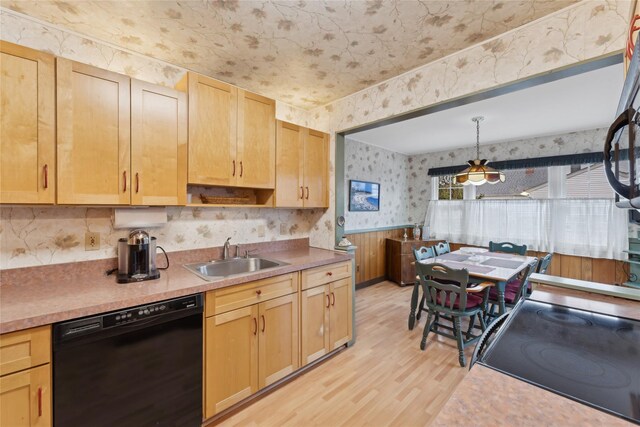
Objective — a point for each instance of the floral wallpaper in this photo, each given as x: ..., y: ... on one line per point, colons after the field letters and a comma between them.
x: 419, y: 183
x: 585, y: 30
x: 369, y: 163
x: 306, y: 53
x: 51, y: 235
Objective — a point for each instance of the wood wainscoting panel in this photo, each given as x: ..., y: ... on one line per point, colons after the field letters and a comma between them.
x: 371, y: 254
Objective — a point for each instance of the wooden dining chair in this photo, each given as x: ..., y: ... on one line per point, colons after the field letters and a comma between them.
x: 452, y: 301
x: 514, y: 290
x: 422, y: 253
x: 544, y: 263
x: 442, y: 248
x: 542, y: 267
x: 508, y: 248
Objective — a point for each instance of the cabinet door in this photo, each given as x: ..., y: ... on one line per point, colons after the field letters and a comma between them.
x: 341, y: 313
x: 27, y: 125
x: 315, y: 303
x: 93, y: 108
x: 231, y: 358
x: 316, y: 165
x: 213, y: 108
x: 289, y: 164
x: 158, y: 145
x: 278, y: 350
x: 256, y: 156
x: 25, y: 398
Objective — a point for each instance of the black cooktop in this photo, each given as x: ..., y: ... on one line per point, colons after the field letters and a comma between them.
x: 589, y: 357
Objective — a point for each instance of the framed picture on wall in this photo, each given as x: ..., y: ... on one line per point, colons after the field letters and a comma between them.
x: 364, y: 196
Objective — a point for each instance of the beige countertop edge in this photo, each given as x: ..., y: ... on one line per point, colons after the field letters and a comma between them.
x: 582, y: 285
x: 189, y: 284
x: 514, y: 402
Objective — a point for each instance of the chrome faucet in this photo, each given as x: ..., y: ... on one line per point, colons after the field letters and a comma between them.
x: 225, y: 249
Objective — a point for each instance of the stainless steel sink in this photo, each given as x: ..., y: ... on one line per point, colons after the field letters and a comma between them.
x: 220, y: 269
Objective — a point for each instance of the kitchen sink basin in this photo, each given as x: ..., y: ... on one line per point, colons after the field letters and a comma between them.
x: 220, y: 269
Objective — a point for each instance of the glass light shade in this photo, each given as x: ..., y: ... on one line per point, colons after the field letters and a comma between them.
x: 478, y: 173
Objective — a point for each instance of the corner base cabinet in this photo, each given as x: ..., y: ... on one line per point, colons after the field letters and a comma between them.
x: 25, y: 378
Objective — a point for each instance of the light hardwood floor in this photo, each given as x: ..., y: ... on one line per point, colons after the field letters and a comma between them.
x: 383, y: 380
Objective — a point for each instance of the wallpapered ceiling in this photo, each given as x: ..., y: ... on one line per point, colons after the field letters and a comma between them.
x: 306, y: 53
x: 368, y: 163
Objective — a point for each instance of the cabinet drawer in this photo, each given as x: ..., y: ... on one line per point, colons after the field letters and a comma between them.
x: 327, y: 273
x: 25, y: 349
x: 233, y: 297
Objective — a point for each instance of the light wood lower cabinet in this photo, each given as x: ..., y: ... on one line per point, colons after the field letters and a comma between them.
x: 25, y: 398
x: 326, y: 313
x: 25, y: 381
x: 249, y: 348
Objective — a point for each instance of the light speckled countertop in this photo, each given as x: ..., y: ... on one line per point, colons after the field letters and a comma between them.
x: 36, y: 296
x: 489, y: 398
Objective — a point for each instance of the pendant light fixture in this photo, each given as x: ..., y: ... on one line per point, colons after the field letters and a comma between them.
x: 478, y: 172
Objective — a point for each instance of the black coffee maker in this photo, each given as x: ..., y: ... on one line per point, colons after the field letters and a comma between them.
x: 137, y: 257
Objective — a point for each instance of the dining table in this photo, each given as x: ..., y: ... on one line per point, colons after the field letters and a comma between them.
x: 482, y: 265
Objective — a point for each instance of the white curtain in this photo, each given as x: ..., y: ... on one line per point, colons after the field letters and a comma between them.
x: 593, y: 228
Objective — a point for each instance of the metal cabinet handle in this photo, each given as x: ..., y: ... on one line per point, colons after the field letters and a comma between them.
x: 307, y: 193
x: 39, y: 401
x: 333, y: 297
x: 234, y: 168
x: 46, y: 176
x: 264, y: 323
x: 137, y: 182
x: 258, y: 292
x: 329, y: 273
x: 255, y: 326
x: 328, y: 300
x: 241, y: 168
x: 124, y: 181
x: 301, y: 192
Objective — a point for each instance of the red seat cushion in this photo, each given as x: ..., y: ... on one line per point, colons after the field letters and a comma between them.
x: 510, y: 292
x: 472, y: 301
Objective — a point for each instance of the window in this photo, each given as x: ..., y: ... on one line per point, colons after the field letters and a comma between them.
x: 448, y: 189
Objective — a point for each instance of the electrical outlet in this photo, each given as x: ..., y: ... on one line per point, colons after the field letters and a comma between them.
x: 91, y: 241
x: 261, y: 231
x: 283, y: 229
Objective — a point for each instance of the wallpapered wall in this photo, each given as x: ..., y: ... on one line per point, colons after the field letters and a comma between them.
x: 369, y: 163
x: 419, y: 190
x: 586, y: 30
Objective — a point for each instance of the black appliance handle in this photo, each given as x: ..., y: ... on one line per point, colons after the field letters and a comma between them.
x: 165, y: 257
x: 626, y: 118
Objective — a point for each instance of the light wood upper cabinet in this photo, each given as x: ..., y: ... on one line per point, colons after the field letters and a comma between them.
x: 289, y: 165
x: 213, y: 110
x: 302, y: 159
x: 316, y: 165
x: 93, y: 107
x: 231, y: 135
x: 256, y: 150
x: 158, y: 145
x: 27, y: 125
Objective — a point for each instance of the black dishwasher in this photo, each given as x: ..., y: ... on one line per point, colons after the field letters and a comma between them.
x: 140, y: 366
